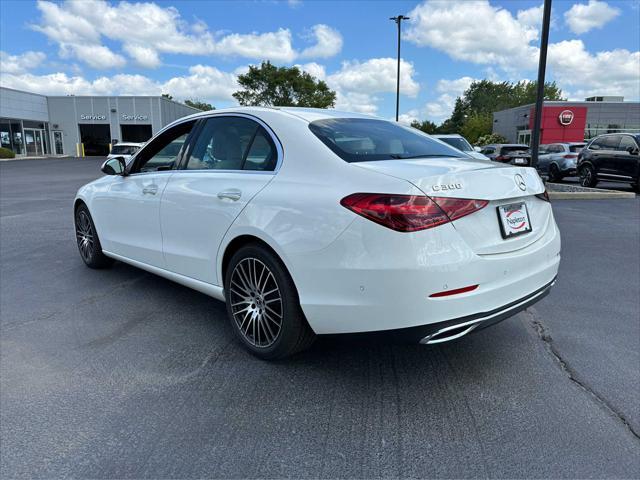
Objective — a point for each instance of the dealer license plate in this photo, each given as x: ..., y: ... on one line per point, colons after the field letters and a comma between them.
x: 520, y: 161
x: 514, y: 219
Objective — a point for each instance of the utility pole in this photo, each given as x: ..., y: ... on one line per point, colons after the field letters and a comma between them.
x: 542, y: 67
x: 398, y: 21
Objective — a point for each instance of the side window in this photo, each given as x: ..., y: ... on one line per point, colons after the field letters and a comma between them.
x: 163, y: 152
x: 597, y: 144
x: 232, y: 143
x: 262, y: 154
x: 487, y: 150
x: 611, y: 142
x: 627, y: 144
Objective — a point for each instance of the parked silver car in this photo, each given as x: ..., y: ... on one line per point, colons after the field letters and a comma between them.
x: 559, y: 160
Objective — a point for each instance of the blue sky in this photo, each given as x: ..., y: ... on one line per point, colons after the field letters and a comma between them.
x: 196, y: 49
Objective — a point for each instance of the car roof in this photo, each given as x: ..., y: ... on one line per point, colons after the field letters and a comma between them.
x: 128, y: 144
x: 308, y: 114
x: 447, y: 135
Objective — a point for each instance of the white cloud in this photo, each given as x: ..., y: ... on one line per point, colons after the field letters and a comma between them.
x: 581, y: 18
x: 143, y: 56
x: 455, y: 87
x: 20, y: 63
x: 78, y: 27
x: 376, y: 75
x: 328, y: 43
x: 202, y: 82
x: 476, y: 32
x: 531, y: 17
x: 314, y: 69
x: 615, y: 72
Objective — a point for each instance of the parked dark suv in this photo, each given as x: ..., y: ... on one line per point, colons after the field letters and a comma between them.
x: 614, y: 157
x: 513, y: 153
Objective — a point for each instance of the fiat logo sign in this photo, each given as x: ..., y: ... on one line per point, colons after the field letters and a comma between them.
x: 566, y: 117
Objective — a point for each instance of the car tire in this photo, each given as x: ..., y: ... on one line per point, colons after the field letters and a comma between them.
x: 263, y: 304
x: 588, y: 177
x: 554, y: 173
x: 88, y: 241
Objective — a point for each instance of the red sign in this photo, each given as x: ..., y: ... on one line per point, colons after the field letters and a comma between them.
x: 565, y: 117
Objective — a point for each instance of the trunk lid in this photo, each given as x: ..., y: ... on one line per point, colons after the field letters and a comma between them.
x: 479, y: 180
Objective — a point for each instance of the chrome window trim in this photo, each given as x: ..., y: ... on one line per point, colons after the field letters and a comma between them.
x: 274, y: 138
x: 259, y: 121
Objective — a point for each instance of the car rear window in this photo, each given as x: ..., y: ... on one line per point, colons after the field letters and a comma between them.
x: 576, y: 148
x: 514, y: 148
x: 364, y: 140
x: 457, y: 142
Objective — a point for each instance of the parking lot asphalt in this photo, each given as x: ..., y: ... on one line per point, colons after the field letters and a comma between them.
x: 121, y: 374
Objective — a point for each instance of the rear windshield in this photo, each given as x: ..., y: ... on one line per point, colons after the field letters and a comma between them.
x: 457, y: 142
x: 364, y: 140
x: 514, y: 148
x: 124, y: 149
x: 576, y: 148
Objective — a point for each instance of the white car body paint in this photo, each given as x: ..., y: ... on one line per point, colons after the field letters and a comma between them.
x: 352, y: 275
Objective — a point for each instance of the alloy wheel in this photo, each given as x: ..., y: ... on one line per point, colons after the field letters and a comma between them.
x: 256, y: 302
x: 84, y: 235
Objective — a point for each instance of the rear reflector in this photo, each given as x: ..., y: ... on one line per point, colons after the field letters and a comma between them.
x: 455, y: 291
x: 410, y: 213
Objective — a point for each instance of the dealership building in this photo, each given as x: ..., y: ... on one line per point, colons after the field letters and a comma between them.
x: 569, y: 121
x: 35, y: 125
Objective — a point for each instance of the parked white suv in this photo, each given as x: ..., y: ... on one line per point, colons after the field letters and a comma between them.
x: 460, y: 143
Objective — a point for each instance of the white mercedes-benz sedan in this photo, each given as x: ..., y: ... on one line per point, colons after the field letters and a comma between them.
x: 310, y: 222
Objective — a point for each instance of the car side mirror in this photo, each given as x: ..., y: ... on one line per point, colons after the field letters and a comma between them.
x: 632, y: 150
x: 114, y: 166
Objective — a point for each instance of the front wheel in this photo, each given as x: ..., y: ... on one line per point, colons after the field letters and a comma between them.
x: 263, y: 305
x: 88, y: 241
x: 588, y: 177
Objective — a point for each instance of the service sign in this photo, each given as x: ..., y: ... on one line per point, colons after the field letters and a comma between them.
x: 565, y: 117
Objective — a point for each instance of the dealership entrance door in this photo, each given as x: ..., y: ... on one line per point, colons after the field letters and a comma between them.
x: 34, y: 141
x: 135, y: 133
x: 96, y: 139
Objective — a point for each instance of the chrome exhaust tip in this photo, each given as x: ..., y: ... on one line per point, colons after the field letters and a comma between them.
x: 449, y: 333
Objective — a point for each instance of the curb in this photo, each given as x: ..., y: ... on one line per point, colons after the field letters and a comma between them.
x: 589, y: 195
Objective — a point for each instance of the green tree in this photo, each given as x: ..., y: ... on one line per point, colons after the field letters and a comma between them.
x: 167, y: 96
x: 268, y: 85
x: 490, y: 138
x: 476, y: 125
x: 454, y: 123
x: 426, y: 126
x: 205, y: 107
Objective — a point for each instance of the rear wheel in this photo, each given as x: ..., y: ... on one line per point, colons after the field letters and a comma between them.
x: 88, y: 241
x: 263, y: 305
x: 554, y: 173
x: 588, y: 176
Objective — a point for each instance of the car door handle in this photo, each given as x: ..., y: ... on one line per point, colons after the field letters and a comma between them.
x: 231, y: 194
x: 150, y: 190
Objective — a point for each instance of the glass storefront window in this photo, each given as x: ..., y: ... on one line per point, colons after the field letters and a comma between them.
x: 11, y: 135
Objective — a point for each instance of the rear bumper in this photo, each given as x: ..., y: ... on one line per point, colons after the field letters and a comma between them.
x: 371, y: 280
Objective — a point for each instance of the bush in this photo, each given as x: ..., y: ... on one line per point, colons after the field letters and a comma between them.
x: 6, y: 153
x: 491, y: 138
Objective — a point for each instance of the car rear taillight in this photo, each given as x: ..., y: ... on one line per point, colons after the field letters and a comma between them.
x: 544, y: 196
x: 502, y: 158
x: 570, y: 155
x: 410, y: 213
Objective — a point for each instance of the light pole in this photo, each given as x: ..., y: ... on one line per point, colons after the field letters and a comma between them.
x: 542, y: 66
x: 398, y: 21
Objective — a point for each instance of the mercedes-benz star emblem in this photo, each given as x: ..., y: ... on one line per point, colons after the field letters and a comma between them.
x: 520, y: 182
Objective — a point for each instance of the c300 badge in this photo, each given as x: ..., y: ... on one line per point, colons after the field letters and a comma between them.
x: 446, y: 186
